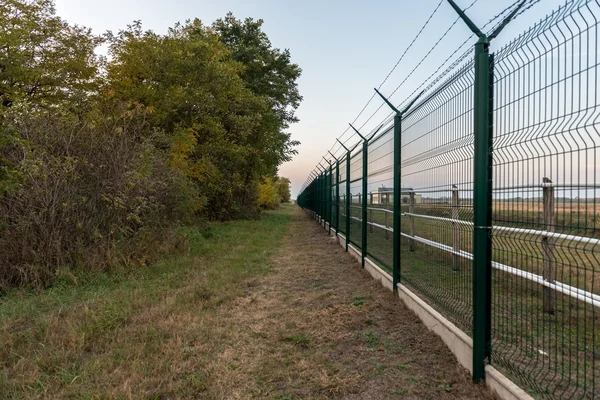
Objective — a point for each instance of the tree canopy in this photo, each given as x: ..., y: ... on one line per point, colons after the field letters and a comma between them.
x: 98, y: 156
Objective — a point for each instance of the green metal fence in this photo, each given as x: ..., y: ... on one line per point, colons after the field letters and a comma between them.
x: 480, y: 195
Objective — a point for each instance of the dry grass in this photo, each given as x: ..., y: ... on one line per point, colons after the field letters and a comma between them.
x: 320, y: 328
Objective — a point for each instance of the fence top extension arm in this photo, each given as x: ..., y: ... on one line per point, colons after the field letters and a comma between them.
x: 347, y: 149
x: 398, y: 112
x: 482, y: 36
x: 362, y: 137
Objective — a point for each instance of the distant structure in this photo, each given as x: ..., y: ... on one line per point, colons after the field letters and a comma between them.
x: 385, y: 195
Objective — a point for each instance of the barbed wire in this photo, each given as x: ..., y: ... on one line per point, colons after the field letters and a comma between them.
x: 393, y: 68
x: 428, y: 81
x: 502, y: 14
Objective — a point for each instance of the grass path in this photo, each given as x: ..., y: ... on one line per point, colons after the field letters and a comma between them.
x: 262, y: 309
x: 319, y: 327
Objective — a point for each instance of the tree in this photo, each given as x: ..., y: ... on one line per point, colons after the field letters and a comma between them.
x: 283, y: 188
x: 45, y: 63
x: 43, y: 59
x: 268, y: 196
x: 193, y: 90
x: 101, y: 158
x: 269, y: 73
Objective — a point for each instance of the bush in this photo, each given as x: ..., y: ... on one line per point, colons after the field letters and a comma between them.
x: 268, y: 196
x: 90, y: 192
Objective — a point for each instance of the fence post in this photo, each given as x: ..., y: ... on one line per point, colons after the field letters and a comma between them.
x: 365, y: 160
x: 482, y: 209
x: 397, y: 182
x: 482, y: 189
x: 455, y: 229
x: 318, y: 198
x: 330, y: 198
x: 387, y: 236
x: 348, y: 199
x: 337, y: 198
x: 325, y: 186
x: 324, y: 194
x: 397, y: 195
x: 548, y: 245
x: 411, y: 210
x: 321, y: 181
x: 323, y: 198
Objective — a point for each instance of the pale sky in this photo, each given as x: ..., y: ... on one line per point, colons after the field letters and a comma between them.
x: 345, y: 48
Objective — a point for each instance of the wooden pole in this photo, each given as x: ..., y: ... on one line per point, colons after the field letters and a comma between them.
x: 455, y: 229
x: 549, y: 270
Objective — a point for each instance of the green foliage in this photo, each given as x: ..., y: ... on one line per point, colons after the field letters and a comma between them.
x: 298, y: 340
x: 43, y: 60
x: 87, y: 195
x: 270, y: 74
x: 268, y: 196
x: 284, y: 189
x: 99, y: 158
x: 226, y: 135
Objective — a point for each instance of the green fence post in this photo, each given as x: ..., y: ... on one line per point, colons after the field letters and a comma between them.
x: 317, y: 199
x: 482, y: 191
x: 337, y: 198
x: 329, y: 197
x: 364, y: 201
x: 347, y: 197
x: 336, y: 221
x: 320, y: 196
x: 324, y: 199
x: 396, y: 268
x: 348, y: 200
x: 482, y: 210
x: 324, y: 188
x: 365, y: 173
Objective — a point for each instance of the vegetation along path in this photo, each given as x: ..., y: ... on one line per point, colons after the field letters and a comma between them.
x: 253, y: 309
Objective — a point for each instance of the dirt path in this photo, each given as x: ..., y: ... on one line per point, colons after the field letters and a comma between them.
x: 319, y: 327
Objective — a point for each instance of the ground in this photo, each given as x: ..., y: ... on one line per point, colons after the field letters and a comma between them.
x: 319, y: 327
x: 260, y: 309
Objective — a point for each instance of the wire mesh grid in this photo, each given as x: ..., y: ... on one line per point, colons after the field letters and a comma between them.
x: 545, y: 238
x: 546, y: 280
x: 436, y: 177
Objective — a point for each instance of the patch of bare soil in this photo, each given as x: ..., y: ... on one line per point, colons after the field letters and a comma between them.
x: 320, y: 327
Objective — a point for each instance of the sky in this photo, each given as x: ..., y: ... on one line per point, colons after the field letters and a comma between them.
x: 345, y: 49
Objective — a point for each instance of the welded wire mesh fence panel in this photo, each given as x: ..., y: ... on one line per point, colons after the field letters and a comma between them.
x: 380, y: 184
x: 356, y: 199
x: 546, y: 208
x: 545, y: 286
x: 436, y: 193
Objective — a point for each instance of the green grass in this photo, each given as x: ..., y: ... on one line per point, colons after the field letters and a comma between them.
x: 78, y: 340
x: 298, y: 340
